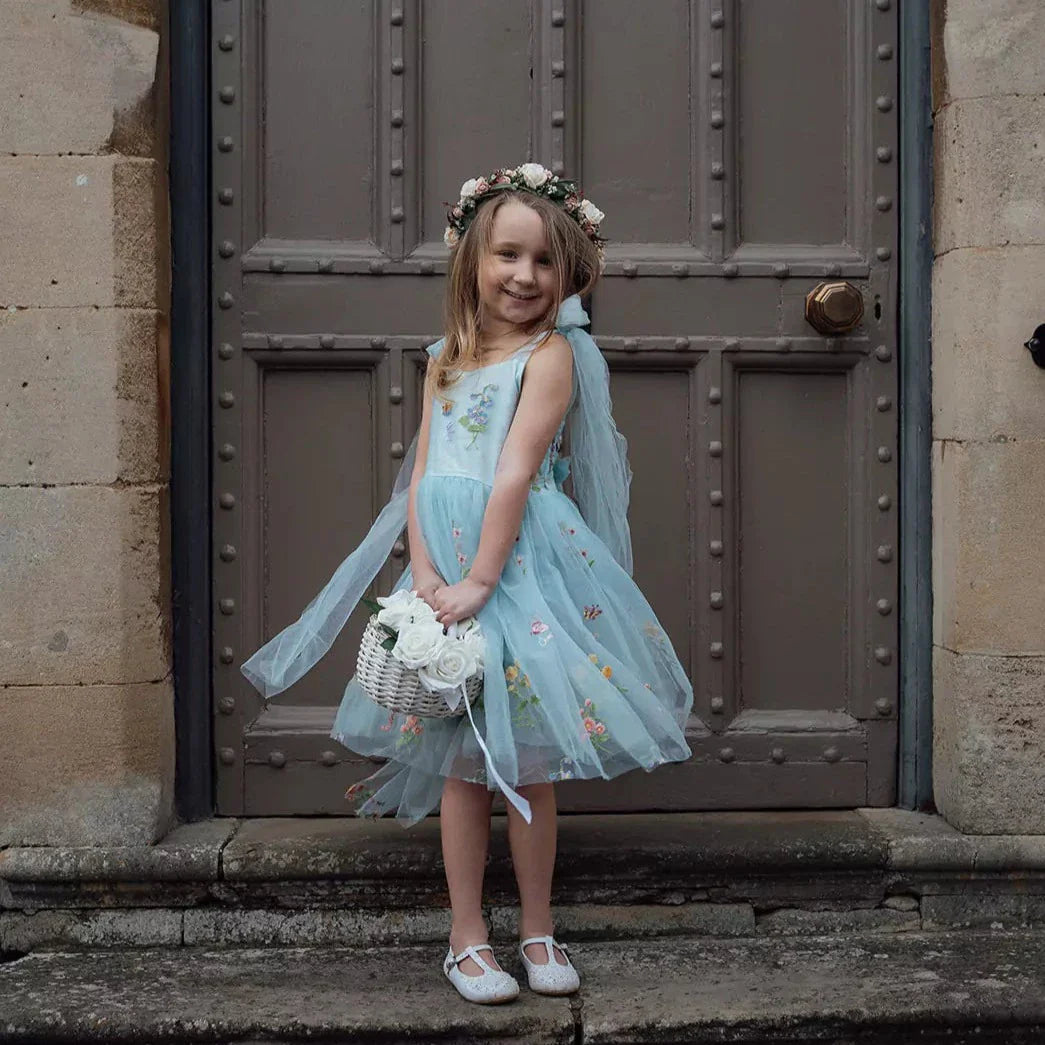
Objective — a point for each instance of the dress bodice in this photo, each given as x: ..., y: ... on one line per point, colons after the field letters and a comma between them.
x: 470, y: 425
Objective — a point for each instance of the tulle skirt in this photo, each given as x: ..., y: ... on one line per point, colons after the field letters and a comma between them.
x: 580, y: 681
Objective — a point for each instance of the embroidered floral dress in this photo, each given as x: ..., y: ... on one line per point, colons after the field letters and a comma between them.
x: 581, y: 680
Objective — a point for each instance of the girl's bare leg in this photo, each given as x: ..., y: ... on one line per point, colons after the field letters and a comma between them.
x: 464, y: 819
x: 533, y: 856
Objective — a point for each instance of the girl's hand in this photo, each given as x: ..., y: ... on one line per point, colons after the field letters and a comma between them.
x: 426, y: 585
x: 463, y: 599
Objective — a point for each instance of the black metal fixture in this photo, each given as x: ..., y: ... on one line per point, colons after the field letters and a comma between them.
x: 1036, y: 346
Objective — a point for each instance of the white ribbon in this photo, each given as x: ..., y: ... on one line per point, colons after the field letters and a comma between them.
x: 453, y: 699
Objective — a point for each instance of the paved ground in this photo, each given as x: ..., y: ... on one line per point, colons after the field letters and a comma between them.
x: 910, y: 986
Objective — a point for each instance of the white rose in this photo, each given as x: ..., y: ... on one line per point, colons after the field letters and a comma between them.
x: 473, y: 647
x: 448, y: 670
x: 398, y: 608
x: 422, y: 611
x: 468, y: 189
x: 591, y: 212
x: 450, y: 237
x: 418, y: 643
x: 534, y: 175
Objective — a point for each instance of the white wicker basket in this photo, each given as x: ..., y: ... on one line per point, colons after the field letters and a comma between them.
x: 392, y: 685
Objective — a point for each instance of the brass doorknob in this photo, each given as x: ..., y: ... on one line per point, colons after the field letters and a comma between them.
x: 834, y: 307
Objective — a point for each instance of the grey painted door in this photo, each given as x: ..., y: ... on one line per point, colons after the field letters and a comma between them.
x: 743, y: 151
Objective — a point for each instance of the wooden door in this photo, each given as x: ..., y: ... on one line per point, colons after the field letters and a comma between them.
x: 744, y: 153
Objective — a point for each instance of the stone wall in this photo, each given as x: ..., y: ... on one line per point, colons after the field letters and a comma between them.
x: 86, y: 700
x: 989, y: 415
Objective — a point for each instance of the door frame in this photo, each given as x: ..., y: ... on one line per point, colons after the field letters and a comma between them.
x: 189, y: 32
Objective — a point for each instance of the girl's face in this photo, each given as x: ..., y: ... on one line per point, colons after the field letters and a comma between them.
x: 517, y: 279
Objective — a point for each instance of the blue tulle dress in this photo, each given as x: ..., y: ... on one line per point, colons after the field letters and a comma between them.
x: 580, y: 682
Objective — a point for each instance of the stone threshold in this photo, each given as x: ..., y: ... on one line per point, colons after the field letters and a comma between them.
x: 925, y: 987
x: 329, y: 881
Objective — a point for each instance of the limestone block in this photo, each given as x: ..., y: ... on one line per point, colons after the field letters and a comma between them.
x: 990, y: 179
x: 988, y: 571
x: 988, y: 49
x: 986, y: 303
x: 79, y: 230
x: 80, y: 396
x: 61, y: 929
x: 989, y: 742
x: 86, y: 765
x: 76, y: 84
x: 84, y: 575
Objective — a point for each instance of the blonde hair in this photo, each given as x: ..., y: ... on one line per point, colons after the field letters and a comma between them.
x: 574, y: 258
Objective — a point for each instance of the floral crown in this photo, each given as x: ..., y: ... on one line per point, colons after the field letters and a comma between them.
x: 529, y: 177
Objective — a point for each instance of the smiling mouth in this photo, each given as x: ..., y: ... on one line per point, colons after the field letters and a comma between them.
x: 519, y: 297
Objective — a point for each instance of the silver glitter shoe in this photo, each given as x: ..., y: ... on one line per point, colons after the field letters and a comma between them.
x: 551, y: 977
x: 490, y: 987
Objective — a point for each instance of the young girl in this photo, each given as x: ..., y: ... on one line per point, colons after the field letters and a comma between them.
x: 580, y: 680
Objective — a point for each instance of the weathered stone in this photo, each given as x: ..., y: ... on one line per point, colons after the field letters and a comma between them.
x: 84, y: 765
x: 134, y: 928
x: 190, y: 852
x: 316, y: 928
x: 74, y: 84
x: 876, y: 987
x: 795, y: 921
x: 901, y: 903
x: 1008, y: 852
x: 79, y: 230
x: 635, y: 921
x: 85, y: 576
x: 272, y: 993
x: 140, y: 255
x: 988, y: 49
x: 884, y: 987
x: 989, y: 191
x: 964, y: 911
x: 278, y: 847
x: 920, y: 841
x: 989, y: 730
x: 986, y: 303
x: 80, y: 396
x: 989, y: 594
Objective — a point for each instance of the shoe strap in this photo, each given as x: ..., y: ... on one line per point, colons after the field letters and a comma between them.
x: 472, y: 951
x: 549, y: 942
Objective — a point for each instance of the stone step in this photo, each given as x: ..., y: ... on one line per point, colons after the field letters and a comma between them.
x: 925, y: 987
x: 328, y: 881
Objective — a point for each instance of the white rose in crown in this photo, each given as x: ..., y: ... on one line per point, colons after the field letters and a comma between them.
x: 450, y: 667
x: 534, y: 175
x: 591, y: 212
x: 468, y: 189
x: 418, y: 643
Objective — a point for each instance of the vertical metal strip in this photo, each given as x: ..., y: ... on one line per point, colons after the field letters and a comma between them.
x: 916, y: 261
x: 189, y: 28
x: 233, y: 700
x: 557, y: 115
x: 719, y: 600
x: 714, y: 36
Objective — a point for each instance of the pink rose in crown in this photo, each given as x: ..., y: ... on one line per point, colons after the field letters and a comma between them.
x: 481, y: 186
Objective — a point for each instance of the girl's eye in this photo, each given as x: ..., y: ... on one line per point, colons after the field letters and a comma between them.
x: 507, y: 253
